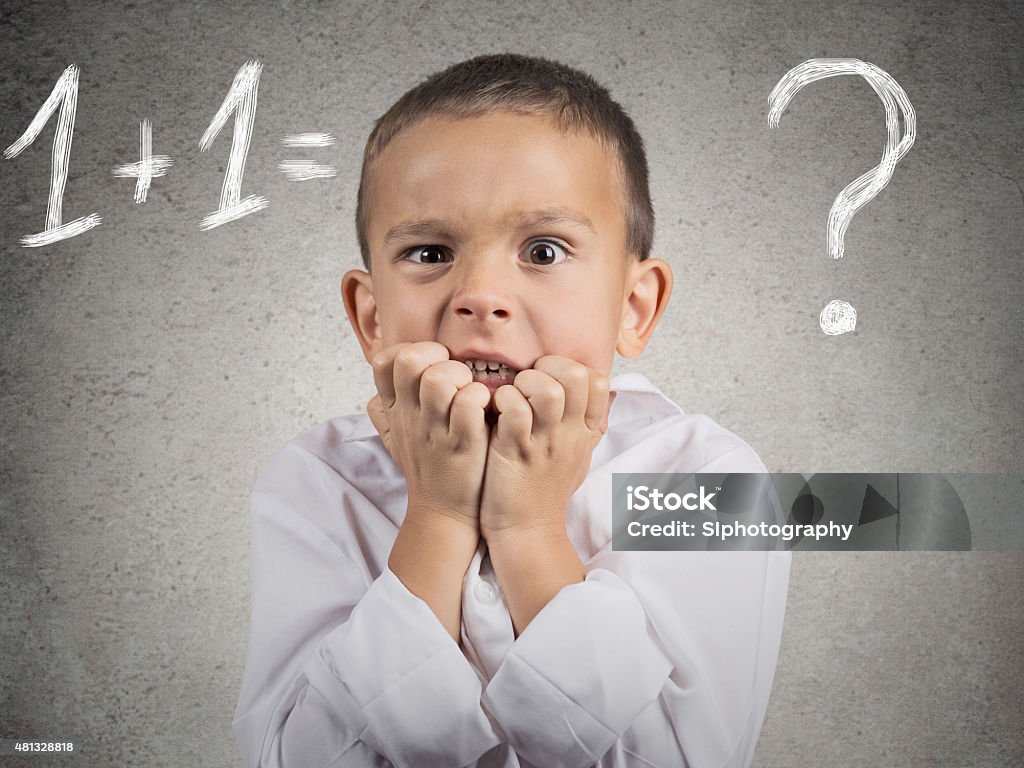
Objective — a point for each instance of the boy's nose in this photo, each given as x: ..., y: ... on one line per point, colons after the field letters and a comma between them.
x: 481, y: 298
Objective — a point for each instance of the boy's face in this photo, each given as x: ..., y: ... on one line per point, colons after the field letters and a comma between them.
x: 503, y: 239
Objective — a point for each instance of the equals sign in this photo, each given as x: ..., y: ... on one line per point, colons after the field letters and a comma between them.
x: 306, y: 170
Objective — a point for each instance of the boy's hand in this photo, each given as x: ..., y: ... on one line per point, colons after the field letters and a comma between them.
x: 430, y: 415
x: 550, y: 419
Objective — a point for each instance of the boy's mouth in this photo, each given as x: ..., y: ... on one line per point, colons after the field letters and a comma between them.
x: 490, y: 372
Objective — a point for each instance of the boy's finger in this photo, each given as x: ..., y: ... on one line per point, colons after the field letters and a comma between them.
x: 545, y: 395
x: 469, y: 407
x: 375, y: 410
x: 598, y: 403
x: 379, y: 417
x: 383, y: 373
x: 515, y: 417
x: 410, y: 363
x: 575, y: 380
x: 438, y: 386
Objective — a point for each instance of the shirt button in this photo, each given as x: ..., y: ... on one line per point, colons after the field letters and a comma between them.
x: 486, y: 592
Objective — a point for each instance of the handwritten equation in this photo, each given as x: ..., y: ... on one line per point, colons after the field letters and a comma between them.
x: 240, y: 102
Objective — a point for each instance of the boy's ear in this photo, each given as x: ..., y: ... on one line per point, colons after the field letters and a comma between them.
x: 361, y: 306
x: 649, y: 285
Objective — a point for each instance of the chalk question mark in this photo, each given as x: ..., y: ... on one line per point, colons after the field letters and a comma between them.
x: 839, y: 317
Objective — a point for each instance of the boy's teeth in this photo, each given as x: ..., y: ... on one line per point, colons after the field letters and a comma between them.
x: 488, y: 367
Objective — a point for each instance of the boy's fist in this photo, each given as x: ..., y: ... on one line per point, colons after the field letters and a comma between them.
x: 549, y: 421
x: 430, y: 415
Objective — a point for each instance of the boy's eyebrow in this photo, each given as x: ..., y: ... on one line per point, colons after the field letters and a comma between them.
x: 557, y: 215
x: 415, y: 229
x: 523, y: 220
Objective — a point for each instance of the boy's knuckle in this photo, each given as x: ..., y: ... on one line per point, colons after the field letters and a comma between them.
x: 551, y: 391
x: 504, y: 399
x: 465, y: 394
x: 547, y: 362
x: 530, y: 378
x: 434, y: 377
x: 407, y: 358
x: 576, y: 376
x: 454, y: 370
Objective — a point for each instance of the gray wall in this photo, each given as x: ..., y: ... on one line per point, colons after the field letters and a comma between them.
x: 148, y: 369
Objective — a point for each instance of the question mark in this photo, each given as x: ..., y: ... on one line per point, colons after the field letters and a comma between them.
x: 839, y: 317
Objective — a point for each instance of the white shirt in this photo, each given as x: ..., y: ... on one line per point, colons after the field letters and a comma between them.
x: 656, y: 659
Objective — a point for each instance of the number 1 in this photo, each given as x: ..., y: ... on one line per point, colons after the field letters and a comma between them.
x: 64, y: 92
x: 241, y: 100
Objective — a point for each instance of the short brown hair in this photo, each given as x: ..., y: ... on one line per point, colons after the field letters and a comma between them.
x: 527, y: 85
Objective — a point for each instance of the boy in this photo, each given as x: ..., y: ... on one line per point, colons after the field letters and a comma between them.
x: 434, y: 584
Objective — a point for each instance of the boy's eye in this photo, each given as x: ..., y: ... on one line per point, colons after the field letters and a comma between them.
x: 545, y: 252
x: 428, y: 254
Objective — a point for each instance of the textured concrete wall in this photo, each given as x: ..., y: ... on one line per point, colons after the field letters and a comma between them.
x: 148, y: 369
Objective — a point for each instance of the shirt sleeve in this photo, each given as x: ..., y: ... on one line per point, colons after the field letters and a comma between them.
x: 341, y: 670
x: 656, y: 659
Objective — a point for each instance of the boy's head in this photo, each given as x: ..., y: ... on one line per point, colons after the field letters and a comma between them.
x: 504, y: 212
x: 573, y: 100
